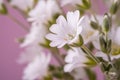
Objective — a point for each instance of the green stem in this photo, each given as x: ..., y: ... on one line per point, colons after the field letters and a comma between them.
x: 18, y: 22
x: 90, y: 54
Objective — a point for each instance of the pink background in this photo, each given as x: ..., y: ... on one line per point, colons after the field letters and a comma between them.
x: 9, y: 48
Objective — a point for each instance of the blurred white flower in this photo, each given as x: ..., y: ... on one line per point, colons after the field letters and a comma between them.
x: 30, y: 53
x: 105, y: 57
x: 75, y: 58
x: 38, y: 68
x: 23, y: 5
x: 43, y: 11
x: 108, y: 2
x: 116, y: 36
x: 66, y: 31
x: 37, y: 60
x: 36, y: 35
x: 1, y: 2
x: 79, y: 73
x: 72, y: 2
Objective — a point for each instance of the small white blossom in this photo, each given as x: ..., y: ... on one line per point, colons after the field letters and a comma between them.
x: 66, y: 31
x: 38, y: 68
x: 43, y: 11
x: 30, y: 53
x: 116, y: 36
x: 23, y: 5
x: 79, y: 74
x: 75, y: 58
x: 36, y: 35
x: 72, y: 2
x: 105, y: 57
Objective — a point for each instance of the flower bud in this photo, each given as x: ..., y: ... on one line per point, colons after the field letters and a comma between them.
x: 105, y: 45
x: 86, y: 3
x: 94, y: 25
x: 3, y: 9
x: 109, y: 44
x: 102, y: 44
x: 115, y: 6
x: 106, y: 23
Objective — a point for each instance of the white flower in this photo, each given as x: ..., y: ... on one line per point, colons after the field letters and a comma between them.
x: 23, y: 5
x: 75, y: 58
x: 36, y: 35
x: 43, y: 11
x: 105, y: 57
x: 72, y: 2
x: 30, y: 53
x: 38, y: 68
x: 116, y: 36
x: 79, y: 73
x: 65, y: 31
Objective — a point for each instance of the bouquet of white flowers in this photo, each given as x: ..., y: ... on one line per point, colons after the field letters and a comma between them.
x: 67, y: 38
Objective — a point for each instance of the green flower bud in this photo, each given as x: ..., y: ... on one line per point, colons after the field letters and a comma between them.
x: 115, y: 6
x: 86, y: 3
x: 106, y: 23
x: 94, y: 25
x: 109, y: 44
x: 102, y: 44
x: 105, y: 45
x: 3, y: 9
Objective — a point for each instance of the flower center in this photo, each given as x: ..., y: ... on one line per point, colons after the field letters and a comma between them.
x: 69, y: 37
